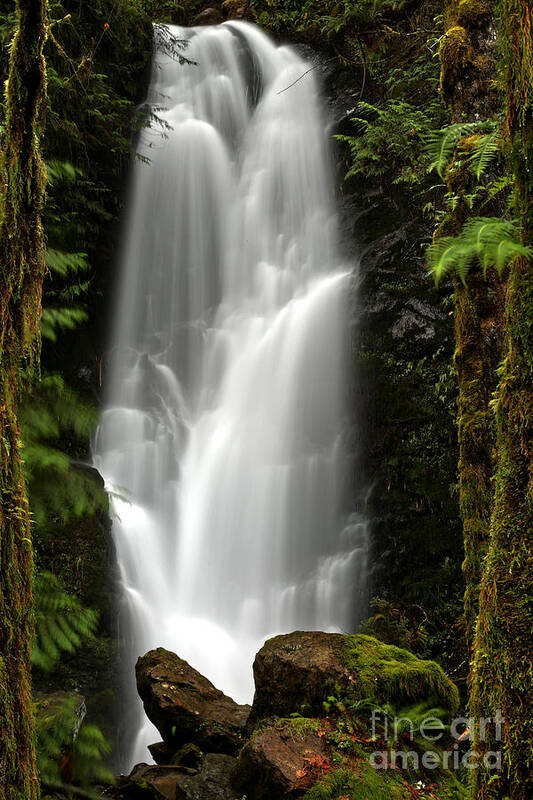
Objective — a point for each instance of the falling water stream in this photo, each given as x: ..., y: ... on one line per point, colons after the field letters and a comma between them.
x: 223, y: 434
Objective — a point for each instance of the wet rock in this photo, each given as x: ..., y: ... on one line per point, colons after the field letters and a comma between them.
x: 237, y: 9
x: 212, y: 782
x: 162, y: 752
x: 281, y: 761
x: 150, y: 783
x: 209, y: 16
x: 188, y: 756
x: 186, y: 707
x: 296, y: 672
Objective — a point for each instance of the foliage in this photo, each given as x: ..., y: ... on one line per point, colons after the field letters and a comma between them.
x: 491, y: 241
x: 388, y: 141
x: 67, y: 747
x: 59, y: 490
x: 440, y: 145
x: 323, y: 17
x: 61, y: 621
x: 401, y: 625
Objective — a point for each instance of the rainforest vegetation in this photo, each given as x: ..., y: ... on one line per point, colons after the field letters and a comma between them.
x: 432, y: 136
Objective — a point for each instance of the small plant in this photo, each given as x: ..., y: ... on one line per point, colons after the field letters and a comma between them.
x: 492, y: 241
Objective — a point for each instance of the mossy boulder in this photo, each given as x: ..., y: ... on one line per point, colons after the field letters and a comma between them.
x: 295, y: 673
x: 186, y: 707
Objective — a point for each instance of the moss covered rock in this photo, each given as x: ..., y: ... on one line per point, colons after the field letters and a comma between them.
x: 296, y: 672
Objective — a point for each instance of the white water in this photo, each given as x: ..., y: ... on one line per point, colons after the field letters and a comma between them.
x: 225, y: 414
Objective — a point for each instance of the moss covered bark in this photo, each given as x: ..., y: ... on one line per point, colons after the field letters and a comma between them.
x: 503, y: 654
x: 21, y: 273
x: 467, y: 69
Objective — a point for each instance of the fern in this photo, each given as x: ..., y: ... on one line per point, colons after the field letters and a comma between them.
x: 55, y: 320
x: 485, y: 150
x: 491, y: 241
x: 51, y: 413
x: 63, y: 739
x: 61, y: 621
x: 440, y: 145
x: 63, y: 263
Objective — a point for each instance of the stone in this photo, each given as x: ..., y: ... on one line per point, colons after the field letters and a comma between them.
x: 281, y: 761
x: 161, y: 752
x: 188, y: 756
x: 186, y: 707
x: 212, y: 782
x: 296, y: 672
x: 237, y: 9
x: 209, y: 16
x: 148, y: 782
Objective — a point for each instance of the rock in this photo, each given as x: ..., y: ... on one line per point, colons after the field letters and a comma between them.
x: 212, y: 782
x: 186, y: 707
x: 281, y: 761
x: 237, y: 9
x: 188, y: 756
x: 209, y: 16
x: 162, y: 753
x: 296, y: 672
x: 150, y: 783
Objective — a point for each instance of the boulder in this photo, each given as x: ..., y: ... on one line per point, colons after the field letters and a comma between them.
x: 281, y: 761
x: 209, y: 16
x: 147, y: 782
x: 162, y: 752
x: 298, y: 671
x: 186, y: 707
x: 237, y: 9
x: 189, y: 756
x: 212, y: 782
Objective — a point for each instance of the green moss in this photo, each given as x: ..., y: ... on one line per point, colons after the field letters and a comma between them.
x: 299, y: 727
x: 471, y: 13
x: 455, y: 53
x: 362, y: 782
x: 382, y: 672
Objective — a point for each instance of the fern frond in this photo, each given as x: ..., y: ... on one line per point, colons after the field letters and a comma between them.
x: 486, y: 149
x: 60, y: 319
x: 61, y: 170
x: 440, y: 145
x: 64, y: 263
x: 492, y: 241
x: 61, y: 621
x: 60, y: 731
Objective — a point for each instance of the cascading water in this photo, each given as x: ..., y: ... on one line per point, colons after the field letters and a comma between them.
x: 222, y: 437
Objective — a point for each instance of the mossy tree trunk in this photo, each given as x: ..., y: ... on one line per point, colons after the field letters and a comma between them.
x: 467, y: 71
x: 503, y: 653
x: 22, y: 181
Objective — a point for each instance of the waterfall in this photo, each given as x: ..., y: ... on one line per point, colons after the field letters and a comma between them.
x: 223, y: 435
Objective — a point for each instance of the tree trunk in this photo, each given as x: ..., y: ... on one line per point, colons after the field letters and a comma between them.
x: 467, y: 69
x: 503, y: 653
x: 22, y: 181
